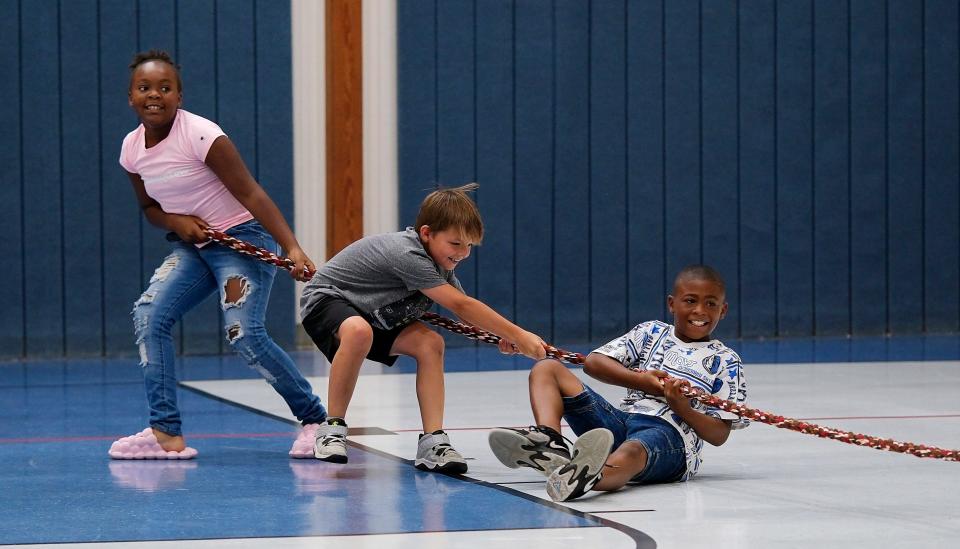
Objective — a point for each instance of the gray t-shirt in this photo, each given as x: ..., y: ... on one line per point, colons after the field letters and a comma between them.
x: 380, y: 275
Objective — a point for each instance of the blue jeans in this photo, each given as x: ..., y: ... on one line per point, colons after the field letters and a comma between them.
x: 666, y: 454
x: 185, y: 278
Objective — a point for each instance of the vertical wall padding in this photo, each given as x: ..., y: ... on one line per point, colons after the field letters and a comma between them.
x: 12, y: 249
x: 77, y: 249
x: 807, y: 148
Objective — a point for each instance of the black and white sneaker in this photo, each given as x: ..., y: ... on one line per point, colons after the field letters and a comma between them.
x: 585, y: 468
x: 538, y: 447
x: 331, y: 443
x: 434, y: 453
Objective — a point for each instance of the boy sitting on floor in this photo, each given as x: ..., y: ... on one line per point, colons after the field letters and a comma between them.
x: 657, y: 433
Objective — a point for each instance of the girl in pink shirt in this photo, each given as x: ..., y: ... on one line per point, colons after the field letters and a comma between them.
x: 187, y: 176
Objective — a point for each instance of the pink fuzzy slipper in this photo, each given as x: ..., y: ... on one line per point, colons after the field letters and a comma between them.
x: 303, y: 446
x: 144, y: 445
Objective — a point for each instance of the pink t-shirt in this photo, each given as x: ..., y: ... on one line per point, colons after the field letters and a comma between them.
x: 175, y: 175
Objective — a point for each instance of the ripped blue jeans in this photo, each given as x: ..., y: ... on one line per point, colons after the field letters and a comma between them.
x: 185, y: 278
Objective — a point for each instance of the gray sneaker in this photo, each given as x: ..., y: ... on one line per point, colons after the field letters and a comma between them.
x: 539, y: 448
x: 331, y: 443
x: 585, y: 469
x: 434, y: 453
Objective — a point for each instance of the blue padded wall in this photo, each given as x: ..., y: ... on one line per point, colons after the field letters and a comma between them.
x: 806, y: 148
x: 77, y: 249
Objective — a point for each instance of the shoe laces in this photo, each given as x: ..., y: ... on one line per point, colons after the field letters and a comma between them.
x: 330, y: 438
x: 443, y: 449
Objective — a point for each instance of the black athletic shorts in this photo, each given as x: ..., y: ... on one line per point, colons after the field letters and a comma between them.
x: 325, y: 319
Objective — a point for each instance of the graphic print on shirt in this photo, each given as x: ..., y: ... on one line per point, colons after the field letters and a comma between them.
x: 402, y: 312
x: 164, y: 177
x: 711, y: 367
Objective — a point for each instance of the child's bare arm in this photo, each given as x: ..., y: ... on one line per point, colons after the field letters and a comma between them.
x: 609, y: 370
x: 477, y: 313
x: 225, y: 161
x: 188, y: 227
x: 711, y: 429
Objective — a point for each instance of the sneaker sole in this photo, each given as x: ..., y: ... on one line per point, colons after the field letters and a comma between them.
x: 507, y: 446
x: 591, y: 452
x: 448, y: 469
x: 335, y: 458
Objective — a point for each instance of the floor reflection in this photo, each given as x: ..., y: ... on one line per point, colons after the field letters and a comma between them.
x: 150, y: 475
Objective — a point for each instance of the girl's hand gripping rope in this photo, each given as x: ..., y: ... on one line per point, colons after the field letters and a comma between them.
x: 303, y: 269
x: 188, y: 228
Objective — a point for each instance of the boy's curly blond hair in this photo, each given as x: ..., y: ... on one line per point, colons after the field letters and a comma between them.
x: 445, y: 209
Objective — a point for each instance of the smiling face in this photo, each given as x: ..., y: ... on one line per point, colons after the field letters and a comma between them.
x: 155, y: 93
x: 447, y: 248
x: 697, y: 305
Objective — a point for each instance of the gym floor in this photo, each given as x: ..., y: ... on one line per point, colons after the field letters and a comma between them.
x: 764, y: 488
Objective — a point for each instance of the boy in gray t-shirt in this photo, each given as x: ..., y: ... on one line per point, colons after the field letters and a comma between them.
x: 365, y: 302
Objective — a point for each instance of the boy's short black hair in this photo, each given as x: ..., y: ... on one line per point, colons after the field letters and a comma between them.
x: 155, y: 55
x: 700, y: 272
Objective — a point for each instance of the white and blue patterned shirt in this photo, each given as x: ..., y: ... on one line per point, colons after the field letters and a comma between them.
x: 708, y: 365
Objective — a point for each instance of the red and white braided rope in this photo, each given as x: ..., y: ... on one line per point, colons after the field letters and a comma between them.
x: 752, y: 414
x: 249, y: 249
